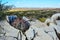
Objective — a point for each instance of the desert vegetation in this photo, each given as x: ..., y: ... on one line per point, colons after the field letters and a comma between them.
x: 39, y: 14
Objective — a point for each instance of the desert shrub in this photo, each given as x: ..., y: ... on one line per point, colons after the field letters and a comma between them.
x: 42, y: 19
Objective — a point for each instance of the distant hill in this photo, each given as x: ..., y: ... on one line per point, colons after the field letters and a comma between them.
x: 26, y: 9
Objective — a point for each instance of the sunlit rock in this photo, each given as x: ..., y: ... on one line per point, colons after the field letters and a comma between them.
x: 11, y: 32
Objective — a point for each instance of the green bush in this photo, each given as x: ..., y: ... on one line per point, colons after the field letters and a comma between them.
x: 42, y: 19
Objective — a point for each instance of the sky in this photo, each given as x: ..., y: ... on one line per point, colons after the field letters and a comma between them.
x: 33, y: 3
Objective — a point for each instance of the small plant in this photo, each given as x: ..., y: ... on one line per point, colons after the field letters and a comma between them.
x: 42, y: 19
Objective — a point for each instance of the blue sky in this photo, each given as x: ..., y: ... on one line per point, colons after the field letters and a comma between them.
x: 34, y: 3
